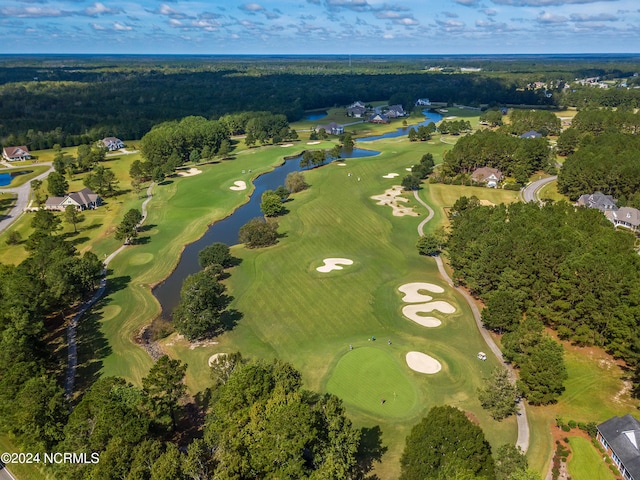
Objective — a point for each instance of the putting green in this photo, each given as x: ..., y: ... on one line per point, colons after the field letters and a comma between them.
x: 366, y: 375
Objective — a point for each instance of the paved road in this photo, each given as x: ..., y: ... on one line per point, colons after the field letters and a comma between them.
x: 5, y: 474
x: 23, y: 192
x: 72, y: 349
x: 521, y: 418
x: 530, y: 192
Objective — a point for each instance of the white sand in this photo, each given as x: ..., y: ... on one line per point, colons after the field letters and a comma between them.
x: 452, y: 117
x: 487, y: 203
x: 423, y: 363
x: 313, y: 143
x: 287, y: 145
x: 213, y: 357
x: 391, y: 175
x: 440, y: 306
x: 408, y: 169
x: 334, y: 264
x: 411, y: 294
x: 189, y: 173
x: 238, y: 185
x: 391, y: 197
x: 341, y: 164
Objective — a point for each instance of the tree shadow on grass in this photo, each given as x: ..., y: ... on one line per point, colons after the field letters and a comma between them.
x: 230, y: 318
x: 142, y: 240
x: 116, y: 284
x: 93, y: 346
x: 370, y: 450
x: 146, y: 227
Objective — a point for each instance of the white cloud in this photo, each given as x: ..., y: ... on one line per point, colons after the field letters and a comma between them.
x: 121, y: 27
x: 546, y: 3
x: 100, y: 9
x: 601, y: 17
x: 550, y: 18
x: 95, y: 26
x: 33, y: 12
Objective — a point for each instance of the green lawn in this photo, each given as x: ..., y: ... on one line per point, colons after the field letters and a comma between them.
x: 595, y: 391
x: 292, y: 312
x: 22, y: 471
x: 586, y: 462
x: 550, y: 190
x: 7, y: 201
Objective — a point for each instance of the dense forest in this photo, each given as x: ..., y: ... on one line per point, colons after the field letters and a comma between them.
x: 551, y: 265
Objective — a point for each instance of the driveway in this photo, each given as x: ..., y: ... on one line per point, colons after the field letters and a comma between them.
x: 22, y: 202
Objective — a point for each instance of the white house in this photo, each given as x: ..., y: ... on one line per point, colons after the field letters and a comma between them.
x: 112, y: 143
x: 13, y: 154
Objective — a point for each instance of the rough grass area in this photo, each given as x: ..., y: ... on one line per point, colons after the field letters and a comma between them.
x: 586, y: 462
x: 550, y: 191
x: 595, y: 391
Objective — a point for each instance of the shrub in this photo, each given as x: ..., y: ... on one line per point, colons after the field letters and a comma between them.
x: 258, y: 233
x: 572, y: 424
x: 13, y: 238
x: 566, y: 428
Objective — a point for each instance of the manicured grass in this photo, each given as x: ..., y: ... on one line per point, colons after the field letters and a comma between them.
x: 586, y: 462
x: 367, y: 375
x: 7, y: 201
x: 292, y: 312
x: 550, y: 190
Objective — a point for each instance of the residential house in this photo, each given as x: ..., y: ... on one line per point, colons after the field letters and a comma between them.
x: 13, y: 154
x: 356, y: 112
x: 395, y: 111
x: 597, y: 200
x: 620, y: 437
x: 626, y: 217
x: 112, y: 143
x: 358, y: 104
x: 531, y: 134
x: 491, y: 177
x: 332, y: 128
x: 423, y: 102
x: 83, y: 200
x: 378, y: 118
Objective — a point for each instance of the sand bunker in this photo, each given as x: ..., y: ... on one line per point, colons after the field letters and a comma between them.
x: 213, y: 357
x: 189, y: 173
x: 341, y: 164
x: 313, y: 143
x: 451, y: 117
x: 487, y: 203
x: 423, y: 363
x: 238, y: 185
x: 409, y: 169
x: 391, y: 197
x: 334, y: 264
x: 287, y: 145
x: 411, y: 294
x: 411, y: 312
x: 391, y: 175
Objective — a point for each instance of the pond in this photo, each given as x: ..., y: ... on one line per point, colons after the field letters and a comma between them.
x: 314, y: 116
x: 226, y: 230
x: 430, y: 116
x: 6, y: 178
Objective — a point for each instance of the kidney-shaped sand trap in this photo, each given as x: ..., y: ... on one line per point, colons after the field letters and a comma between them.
x: 411, y: 312
x: 334, y: 264
x: 391, y: 175
x: 238, y: 185
x: 411, y: 294
x: 423, y: 363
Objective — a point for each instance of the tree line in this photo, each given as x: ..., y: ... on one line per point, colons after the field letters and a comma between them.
x: 550, y: 265
x: 514, y: 156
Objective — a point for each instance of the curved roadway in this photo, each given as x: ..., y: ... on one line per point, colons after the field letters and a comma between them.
x: 23, y: 192
x: 530, y: 192
x: 521, y: 417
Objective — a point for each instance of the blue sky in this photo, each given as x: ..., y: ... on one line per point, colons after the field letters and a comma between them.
x: 320, y: 26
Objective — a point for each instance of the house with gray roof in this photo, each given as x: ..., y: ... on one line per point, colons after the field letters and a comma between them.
x: 488, y: 176
x: 83, y: 200
x: 620, y: 437
x: 531, y: 134
x: 332, y: 128
x: 395, y: 111
x: 597, y: 200
x: 625, y: 217
x: 112, y: 143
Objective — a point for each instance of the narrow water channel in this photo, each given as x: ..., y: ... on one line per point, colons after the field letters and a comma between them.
x: 226, y: 230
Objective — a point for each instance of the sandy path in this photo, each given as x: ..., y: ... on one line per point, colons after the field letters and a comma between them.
x: 423, y: 363
x: 334, y: 264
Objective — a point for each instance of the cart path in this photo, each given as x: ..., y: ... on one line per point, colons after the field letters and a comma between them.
x: 521, y: 417
x: 72, y: 348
